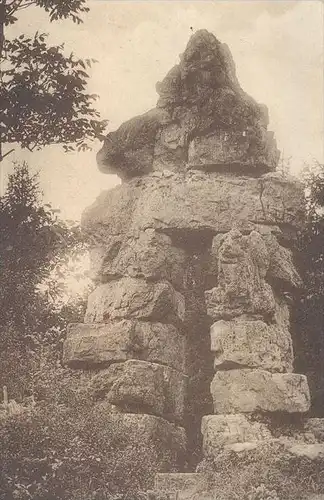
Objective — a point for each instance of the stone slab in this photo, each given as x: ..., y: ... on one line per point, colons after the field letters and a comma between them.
x: 150, y: 255
x: 221, y: 430
x: 143, y: 387
x: 131, y: 298
x: 96, y: 344
x: 195, y: 201
x: 313, y: 451
x: 233, y: 149
x: 251, y: 344
x: 247, y: 391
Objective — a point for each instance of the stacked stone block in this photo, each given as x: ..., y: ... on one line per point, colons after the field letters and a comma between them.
x: 133, y: 345
x: 194, y: 244
x: 250, y: 339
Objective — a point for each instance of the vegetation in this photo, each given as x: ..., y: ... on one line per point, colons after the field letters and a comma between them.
x: 37, y: 249
x: 59, y: 445
x: 268, y: 472
x: 309, y: 309
x: 42, y: 90
x: 51, y: 453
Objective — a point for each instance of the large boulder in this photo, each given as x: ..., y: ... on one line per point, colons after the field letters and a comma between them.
x: 248, y: 391
x: 150, y: 255
x: 128, y: 151
x: 282, y: 271
x: 143, y: 387
x: 133, y: 298
x: 221, y: 430
x: 233, y: 151
x: 184, y: 204
x: 98, y: 345
x: 251, y: 344
x: 199, y: 96
x: 243, y: 262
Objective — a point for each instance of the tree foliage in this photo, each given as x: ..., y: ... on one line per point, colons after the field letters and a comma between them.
x: 309, y: 314
x: 57, y: 9
x: 43, y: 91
x: 34, y: 242
x: 36, y: 249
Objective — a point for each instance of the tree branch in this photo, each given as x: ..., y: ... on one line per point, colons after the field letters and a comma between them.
x: 21, y: 7
x: 7, y: 154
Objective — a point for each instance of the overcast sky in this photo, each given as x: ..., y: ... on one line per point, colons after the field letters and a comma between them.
x: 277, y: 47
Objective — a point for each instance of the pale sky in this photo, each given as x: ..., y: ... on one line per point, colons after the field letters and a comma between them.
x: 277, y: 47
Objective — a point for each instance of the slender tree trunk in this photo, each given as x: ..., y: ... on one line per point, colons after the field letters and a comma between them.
x: 2, y: 23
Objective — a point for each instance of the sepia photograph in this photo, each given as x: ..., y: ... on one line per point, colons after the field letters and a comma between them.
x: 161, y: 250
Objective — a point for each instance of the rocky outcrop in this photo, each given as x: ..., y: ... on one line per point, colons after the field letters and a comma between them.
x: 203, y: 119
x: 171, y: 203
x: 192, y: 256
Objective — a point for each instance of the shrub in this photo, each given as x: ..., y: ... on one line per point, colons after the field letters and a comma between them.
x: 267, y: 472
x: 62, y: 452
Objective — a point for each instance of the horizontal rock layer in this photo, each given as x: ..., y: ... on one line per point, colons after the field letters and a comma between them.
x: 233, y: 150
x: 248, y: 391
x: 98, y: 345
x: 181, y: 204
x: 251, y: 344
x: 135, y: 299
x: 150, y: 255
x: 221, y: 430
x: 142, y: 387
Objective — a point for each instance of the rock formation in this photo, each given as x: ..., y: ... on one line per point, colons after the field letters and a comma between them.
x: 192, y: 259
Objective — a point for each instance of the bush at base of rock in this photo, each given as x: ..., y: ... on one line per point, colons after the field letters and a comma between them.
x: 268, y: 469
x: 52, y: 453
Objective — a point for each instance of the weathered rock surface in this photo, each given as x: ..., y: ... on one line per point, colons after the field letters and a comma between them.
x: 199, y: 96
x: 246, y: 391
x: 281, y: 267
x: 95, y: 344
x: 143, y: 387
x: 311, y: 451
x: 233, y: 151
x: 315, y: 426
x: 129, y: 150
x: 135, y: 299
x: 243, y: 262
x: 198, y: 234
x: 221, y: 430
x: 198, y: 201
x: 149, y: 255
x: 251, y: 344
